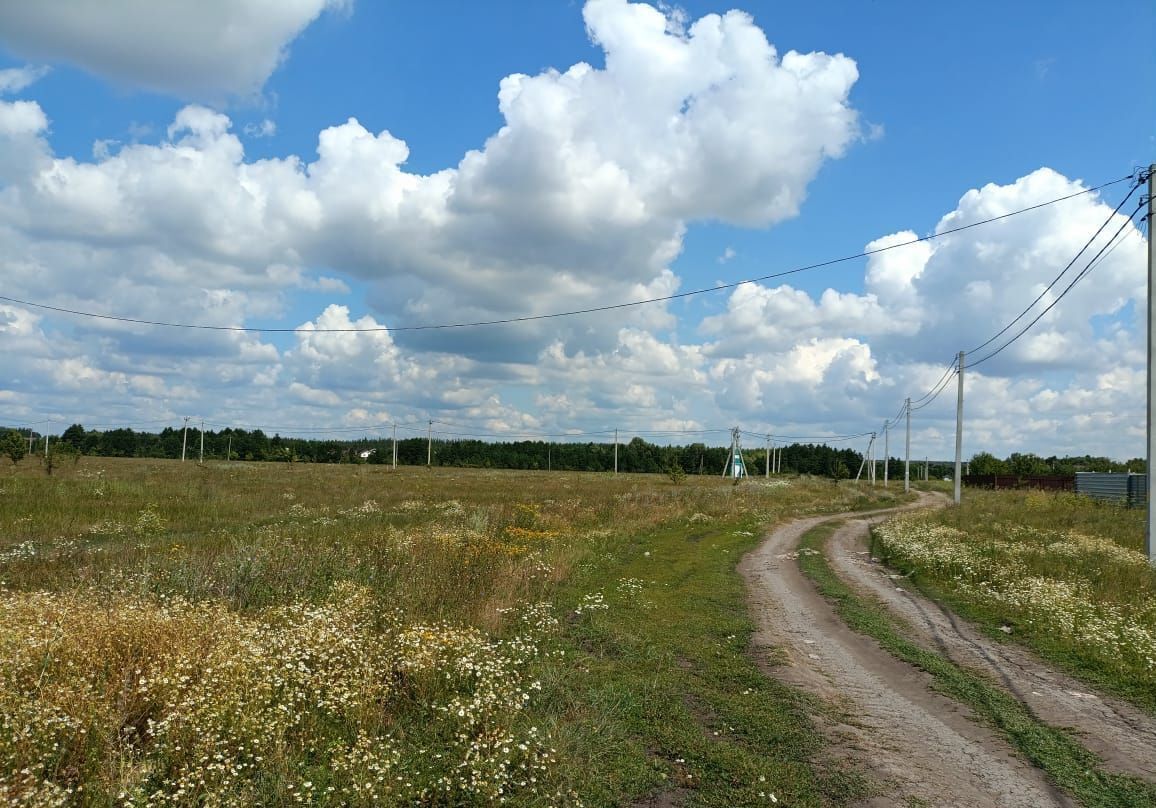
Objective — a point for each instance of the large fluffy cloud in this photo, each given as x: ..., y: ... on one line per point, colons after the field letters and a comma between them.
x: 190, y: 49
x: 582, y: 197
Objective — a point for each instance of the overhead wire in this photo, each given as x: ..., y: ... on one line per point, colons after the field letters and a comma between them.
x: 1087, y: 268
x: 947, y: 373
x: 936, y: 393
x: 1063, y: 272
x: 571, y: 313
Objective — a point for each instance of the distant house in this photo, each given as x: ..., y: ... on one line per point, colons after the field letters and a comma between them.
x: 365, y: 455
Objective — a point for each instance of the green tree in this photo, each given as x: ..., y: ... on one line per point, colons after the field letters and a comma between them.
x: 986, y: 463
x: 58, y: 453
x: 74, y: 437
x: 12, y: 446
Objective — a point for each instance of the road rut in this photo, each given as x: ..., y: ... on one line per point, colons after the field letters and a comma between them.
x: 916, y: 742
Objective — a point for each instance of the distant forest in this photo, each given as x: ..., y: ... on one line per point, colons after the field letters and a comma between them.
x: 636, y: 455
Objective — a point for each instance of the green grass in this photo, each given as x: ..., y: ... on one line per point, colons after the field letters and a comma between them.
x: 342, y: 626
x: 1064, y: 573
x: 1059, y: 754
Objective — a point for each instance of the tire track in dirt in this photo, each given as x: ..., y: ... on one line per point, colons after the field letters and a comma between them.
x: 918, y: 743
x: 1120, y: 733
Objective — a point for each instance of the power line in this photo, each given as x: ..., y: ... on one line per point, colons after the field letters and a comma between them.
x: 1088, y: 268
x: 936, y: 391
x: 828, y: 438
x: 947, y: 373
x: 555, y: 315
x: 1063, y: 272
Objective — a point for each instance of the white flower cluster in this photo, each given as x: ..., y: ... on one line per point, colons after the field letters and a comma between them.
x: 183, y: 703
x: 594, y: 602
x: 1007, y: 572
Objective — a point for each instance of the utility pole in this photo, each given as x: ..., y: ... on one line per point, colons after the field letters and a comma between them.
x: 202, y: 459
x: 907, y: 450
x: 1149, y: 538
x: 184, y: 438
x: 429, y: 447
x: 925, y: 470
x: 959, y: 430
x: 229, y: 451
x: 886, y: 450
x: 46, y: 444
x: 871, y: 452
x: 615, y: 452
x: 395, y: 447
x: 866, y: 456
x: 768, y: 471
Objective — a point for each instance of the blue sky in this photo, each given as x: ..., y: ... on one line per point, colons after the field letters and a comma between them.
x: 943, y: 100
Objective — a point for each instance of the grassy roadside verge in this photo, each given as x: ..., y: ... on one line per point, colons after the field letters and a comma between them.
x: 658, y: 696
x: 1069, y: 764
x: 1063, y: 574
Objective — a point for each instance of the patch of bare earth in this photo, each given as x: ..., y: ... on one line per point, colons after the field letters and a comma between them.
x: 917, y: 744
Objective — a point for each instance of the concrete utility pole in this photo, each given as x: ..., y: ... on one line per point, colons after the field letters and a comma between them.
x: 959, y: 431
x: 1149, y: 538
x: 202, y: 458
x: 615, y: 452
x: 871, y: 451
x: 184, y: 438
x: 925, y: 470
x: 229, y: 451
x: 767, y: 473
x: 395, y: 446
x: 46, y: 444
x: 886, y: 450
x: 866, y: 458
x: 907, y: 450
x: 429, y: 447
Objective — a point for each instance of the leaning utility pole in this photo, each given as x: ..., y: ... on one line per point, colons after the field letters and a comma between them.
x: 184, y: 438
x: 959, y: 431
x: 429, y: 447
x: 907, y: 450
x: 1149, y: 539
x: 229, y: 451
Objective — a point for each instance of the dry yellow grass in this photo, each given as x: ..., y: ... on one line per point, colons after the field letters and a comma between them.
x: 277, y: 634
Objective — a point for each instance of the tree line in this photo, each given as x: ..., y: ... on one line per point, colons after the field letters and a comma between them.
x: 634, y: 456
x: 1031, y: 465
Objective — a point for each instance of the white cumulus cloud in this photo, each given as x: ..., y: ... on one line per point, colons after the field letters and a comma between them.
x: 199, y: 50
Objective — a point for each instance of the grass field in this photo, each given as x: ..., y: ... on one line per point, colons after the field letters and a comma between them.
x: 243, y: 634
x: 1061, y: 573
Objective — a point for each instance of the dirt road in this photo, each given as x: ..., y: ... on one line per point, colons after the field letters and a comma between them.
x: 918, y: 744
